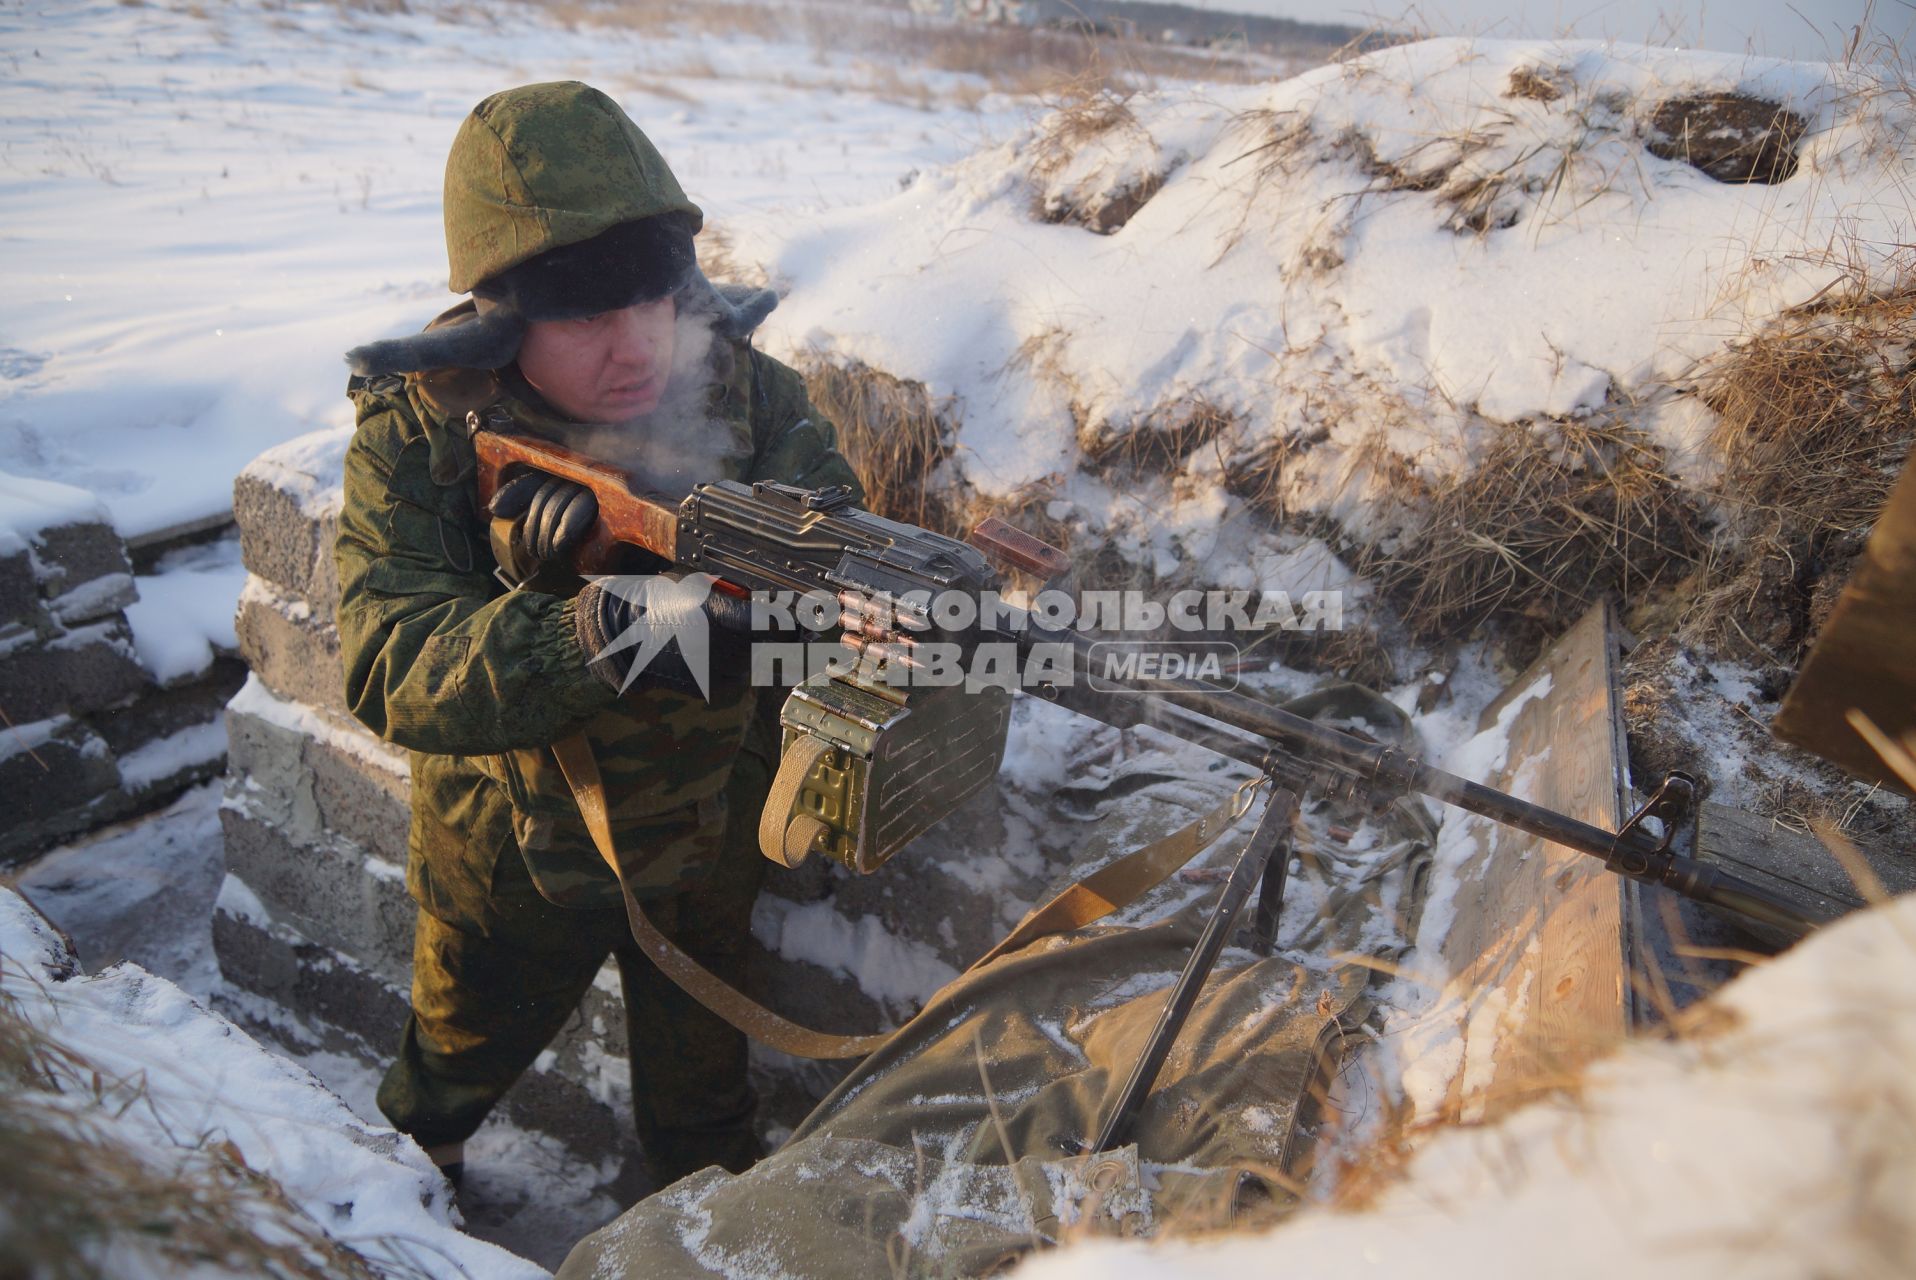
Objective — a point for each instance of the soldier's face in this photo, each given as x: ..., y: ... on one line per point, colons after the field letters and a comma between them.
x: 605, y: 368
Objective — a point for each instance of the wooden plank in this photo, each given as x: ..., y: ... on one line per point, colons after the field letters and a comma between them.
x: 1536, y: 953
x: 1794, y: 864
x: 1861, y: 659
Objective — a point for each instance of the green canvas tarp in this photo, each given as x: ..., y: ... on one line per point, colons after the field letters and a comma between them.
x: 954, y: 1149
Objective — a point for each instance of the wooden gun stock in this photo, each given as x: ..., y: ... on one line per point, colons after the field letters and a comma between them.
x: 625, y: 518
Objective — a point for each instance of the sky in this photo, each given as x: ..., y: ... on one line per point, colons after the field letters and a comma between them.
x: 1806, y: 29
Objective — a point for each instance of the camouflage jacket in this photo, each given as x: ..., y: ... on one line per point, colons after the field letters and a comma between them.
x: 477, y: 681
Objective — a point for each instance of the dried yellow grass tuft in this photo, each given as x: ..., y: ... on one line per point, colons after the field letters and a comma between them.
x: 1816, y: 416
x: 894, y: 434
x: 1554, y: 517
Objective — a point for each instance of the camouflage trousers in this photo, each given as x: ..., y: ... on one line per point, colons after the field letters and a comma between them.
x: 489, y: 994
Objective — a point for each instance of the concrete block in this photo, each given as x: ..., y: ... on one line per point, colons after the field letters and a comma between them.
x: 70, y: 671
x: 330, y: 890
x: 161, y: 713
x: 96, y: 598
x: 171, y: 739
x: 577, y: 1095
x: 287, y: 504
x: 334, y: 895
x: 261, y: 956
x: 281, y: 541
x: 308, y: 771
x: 146, y: 550
x: 59, y: 778
x: 152, y: 773
x: 19, y: 590
x: 68, y: 556
x: 291, y: 646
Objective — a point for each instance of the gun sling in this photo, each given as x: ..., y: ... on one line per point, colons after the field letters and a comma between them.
x: 1110, y: 888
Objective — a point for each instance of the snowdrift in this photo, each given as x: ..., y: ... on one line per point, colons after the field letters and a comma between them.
x: 1168, y: 320
x: 149, y: 1136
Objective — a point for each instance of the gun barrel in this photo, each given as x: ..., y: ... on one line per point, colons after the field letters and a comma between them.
x: 1383, y: 770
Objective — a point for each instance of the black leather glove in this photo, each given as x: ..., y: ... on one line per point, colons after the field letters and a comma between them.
x: 550, y: 516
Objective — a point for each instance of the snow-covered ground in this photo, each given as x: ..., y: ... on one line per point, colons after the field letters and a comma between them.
x: 205, y: 206
x: 141, y: 891
x: 1372, y: 265
x: 133, y: 1067
x: 201, y: 207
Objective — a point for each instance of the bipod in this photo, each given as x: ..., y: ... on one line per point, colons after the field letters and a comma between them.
x: 1267, y: 851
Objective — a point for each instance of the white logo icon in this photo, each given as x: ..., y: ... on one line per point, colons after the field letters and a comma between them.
x: 663, y: 610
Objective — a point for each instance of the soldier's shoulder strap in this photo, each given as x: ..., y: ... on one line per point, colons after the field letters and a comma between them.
x: 1111, y: 888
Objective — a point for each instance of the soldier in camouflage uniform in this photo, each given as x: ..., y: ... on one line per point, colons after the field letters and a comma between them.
x: 573, y: 236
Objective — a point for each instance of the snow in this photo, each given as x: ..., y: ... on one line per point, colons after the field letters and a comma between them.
x: 1776, y: 1138
x: 92, y: 598
x: 163, y: 758
x: 892, y: 970
x: 1273, y: 276
x: 1423, y: 1037
x: 140, y: 891
x: 29, y: 507
x: 255, y: 699
x: 18, y: 738
x: 207, y: 205
x: 199, y: 1081
x: 184, y: 615
x: 310, y: 469
x: 524, y: 1191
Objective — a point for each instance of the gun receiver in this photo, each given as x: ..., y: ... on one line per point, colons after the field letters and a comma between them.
x: 869, y: 763
x: 874, y: 779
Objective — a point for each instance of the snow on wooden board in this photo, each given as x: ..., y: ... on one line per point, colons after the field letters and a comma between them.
x: 1536, y: 954
x: 1519, y: 973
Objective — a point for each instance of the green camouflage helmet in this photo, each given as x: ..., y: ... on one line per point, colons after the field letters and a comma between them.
x: 544, y: 166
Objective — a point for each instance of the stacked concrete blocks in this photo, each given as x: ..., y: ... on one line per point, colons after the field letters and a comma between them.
x: 86, y: 735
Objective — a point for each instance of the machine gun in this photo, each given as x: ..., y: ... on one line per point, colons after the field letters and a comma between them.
x: 871, y: 760
x: 885, y: 758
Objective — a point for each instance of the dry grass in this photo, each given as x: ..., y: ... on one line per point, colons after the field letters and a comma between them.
x: 1553, y: 518
x: 895, y: 435
x: 1013, y: 59
x: 1547, y: 152
x: 1534, y: 84
x: 1089, y: 110
x: 1163, y: 439
x: 1032, y: 60
x: 1257, y: 477
x: 1816, y: 417
x: 654, y: 87
x: 1083, y: 109
x: 719, y: 259
x: 76, y: 1192
x: 720, y: 19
